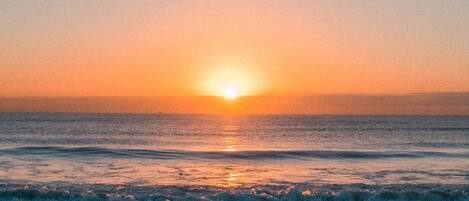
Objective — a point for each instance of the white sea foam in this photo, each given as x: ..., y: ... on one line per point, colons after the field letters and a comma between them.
x: 298, y: 192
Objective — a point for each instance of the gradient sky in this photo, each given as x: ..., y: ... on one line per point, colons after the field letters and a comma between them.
x: 275, y: 48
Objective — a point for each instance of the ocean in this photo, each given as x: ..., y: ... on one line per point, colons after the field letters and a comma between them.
x: 71, y: 156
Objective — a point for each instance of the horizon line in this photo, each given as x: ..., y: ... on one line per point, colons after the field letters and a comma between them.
x: 233, y: 114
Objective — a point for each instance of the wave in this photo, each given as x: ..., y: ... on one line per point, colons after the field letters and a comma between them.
x: 453, y: 145
x: 58, y: 151
x: 298, y: 192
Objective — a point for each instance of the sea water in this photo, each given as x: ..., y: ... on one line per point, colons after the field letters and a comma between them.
x: 67, y: 156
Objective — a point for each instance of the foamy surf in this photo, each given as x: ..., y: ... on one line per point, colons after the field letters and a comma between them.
x: 296, y: 192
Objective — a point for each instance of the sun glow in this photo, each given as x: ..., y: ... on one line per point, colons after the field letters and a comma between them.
x: 230, y: 93
x: 230, y: 81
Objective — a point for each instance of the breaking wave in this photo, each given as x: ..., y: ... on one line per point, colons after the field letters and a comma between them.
x: 298, y: 192
x: 57, y: 151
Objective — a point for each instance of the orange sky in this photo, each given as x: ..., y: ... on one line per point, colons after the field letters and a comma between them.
x: 262, y: 48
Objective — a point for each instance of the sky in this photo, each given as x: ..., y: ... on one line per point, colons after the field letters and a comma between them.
x: 151, y: 48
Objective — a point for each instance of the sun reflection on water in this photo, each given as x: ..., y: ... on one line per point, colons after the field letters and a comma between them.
x: 229, y: 144
x: 232, y: 179
x: 229, y: 139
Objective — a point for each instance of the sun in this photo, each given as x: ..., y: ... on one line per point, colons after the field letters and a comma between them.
x: 229, y: 80
x: 230, y: 93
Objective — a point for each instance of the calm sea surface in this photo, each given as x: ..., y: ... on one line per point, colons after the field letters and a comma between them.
x: 47, y: 156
